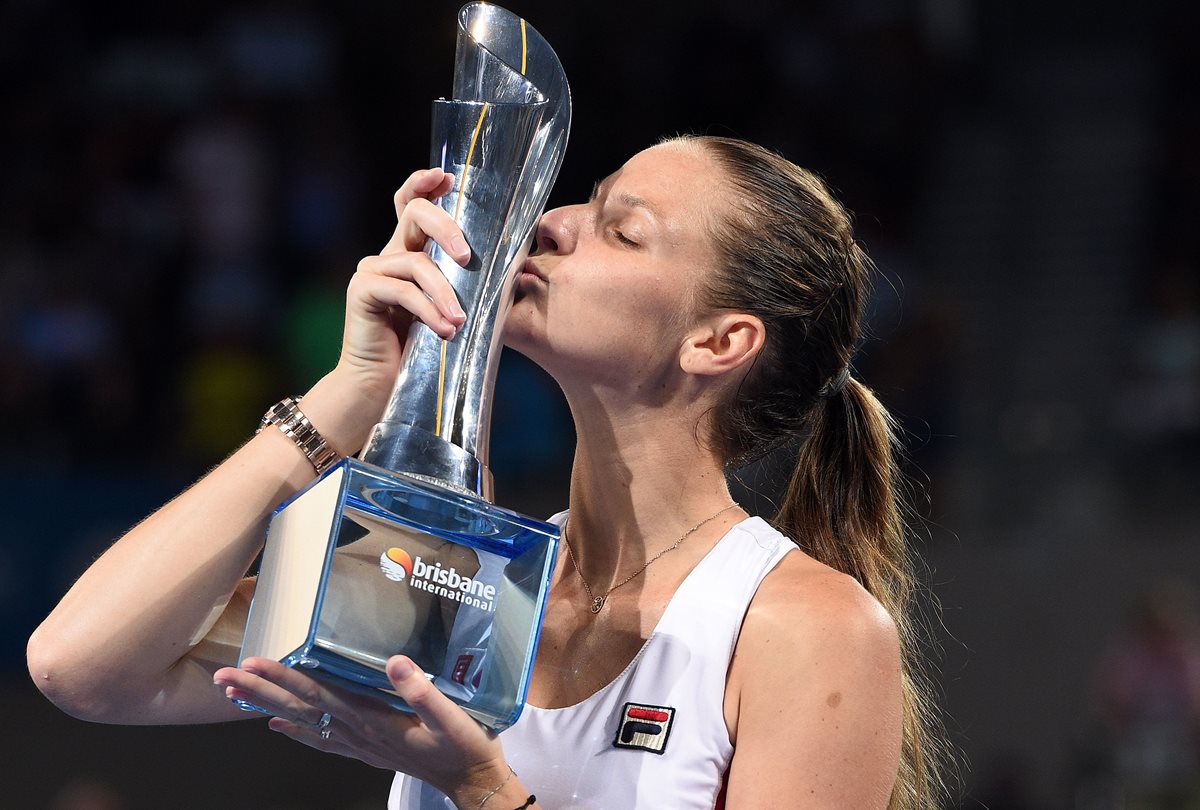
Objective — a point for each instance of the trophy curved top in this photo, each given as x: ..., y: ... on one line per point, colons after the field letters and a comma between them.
x: 501, y: 58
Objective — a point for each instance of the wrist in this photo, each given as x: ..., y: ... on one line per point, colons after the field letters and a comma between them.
x: 495, y: 786
x: 344, y: 410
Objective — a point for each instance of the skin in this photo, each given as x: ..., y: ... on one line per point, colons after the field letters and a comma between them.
x: 608, y: 304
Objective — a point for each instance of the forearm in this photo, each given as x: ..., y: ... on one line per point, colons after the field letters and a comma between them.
x: 143, y: 606
x: 131, y: 641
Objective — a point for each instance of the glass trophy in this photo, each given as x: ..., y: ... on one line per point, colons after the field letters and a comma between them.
x: 402, y: 551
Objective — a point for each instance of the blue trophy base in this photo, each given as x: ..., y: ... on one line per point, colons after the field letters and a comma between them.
x: 364, y: 564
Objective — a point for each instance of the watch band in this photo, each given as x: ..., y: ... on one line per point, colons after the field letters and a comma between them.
x: 291, y: 421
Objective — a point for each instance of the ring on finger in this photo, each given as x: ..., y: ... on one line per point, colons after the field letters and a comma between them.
x: 322, y: 726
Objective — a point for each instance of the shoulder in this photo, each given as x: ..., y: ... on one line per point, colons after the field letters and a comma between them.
x: 816, y: 678
x: 809, y: 605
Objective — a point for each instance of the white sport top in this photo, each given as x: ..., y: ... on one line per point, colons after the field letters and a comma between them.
x: 655, y: 736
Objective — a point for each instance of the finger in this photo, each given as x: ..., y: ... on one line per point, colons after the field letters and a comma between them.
x: 247, y: 686
x: 440, y: 714
x: 420, y: 269
x: 403, y: 237
x: 427, y: 183
x: 382, y: 294
x: 309, y: 690
x: 423, y: 220
x: 298, y: 697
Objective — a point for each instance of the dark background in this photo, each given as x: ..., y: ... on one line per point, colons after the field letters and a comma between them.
x: 185, y: 190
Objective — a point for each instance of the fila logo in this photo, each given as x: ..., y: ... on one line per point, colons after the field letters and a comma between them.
x: 644, y: 728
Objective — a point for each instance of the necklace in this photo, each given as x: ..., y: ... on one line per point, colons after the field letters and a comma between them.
x: 598, y: 601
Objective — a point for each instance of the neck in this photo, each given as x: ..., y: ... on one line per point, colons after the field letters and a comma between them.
x: 640, y: 480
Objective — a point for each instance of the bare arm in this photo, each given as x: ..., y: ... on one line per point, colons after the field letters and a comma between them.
x: 138, y: 637
x: 816, y: 695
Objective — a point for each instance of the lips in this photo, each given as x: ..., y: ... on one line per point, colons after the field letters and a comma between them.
x: 529, y: 269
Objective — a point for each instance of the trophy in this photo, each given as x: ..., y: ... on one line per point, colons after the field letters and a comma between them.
x: 402, y: 550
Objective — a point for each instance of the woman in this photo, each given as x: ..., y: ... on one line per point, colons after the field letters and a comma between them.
x: 701, y: 309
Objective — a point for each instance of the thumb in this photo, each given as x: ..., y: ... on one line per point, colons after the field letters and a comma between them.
x: 436, y: 710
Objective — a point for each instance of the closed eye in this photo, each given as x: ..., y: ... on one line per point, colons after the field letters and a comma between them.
x: 623, y: 239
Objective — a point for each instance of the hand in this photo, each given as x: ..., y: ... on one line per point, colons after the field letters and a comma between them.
x: 402, y: 283
x: 440, y: 744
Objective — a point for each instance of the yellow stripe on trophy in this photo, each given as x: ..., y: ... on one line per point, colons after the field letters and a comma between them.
x: 462, y: 186
x: 524, y: 46
x: 437, y: 425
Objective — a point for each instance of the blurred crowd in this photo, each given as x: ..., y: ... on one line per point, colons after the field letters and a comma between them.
x: 186, y: 190
x: 186, y: 193
x: 181, y: 212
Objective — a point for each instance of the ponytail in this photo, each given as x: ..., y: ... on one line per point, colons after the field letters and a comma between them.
x: 845, y: 486
x: 844, y: 507
x: 787, y: 254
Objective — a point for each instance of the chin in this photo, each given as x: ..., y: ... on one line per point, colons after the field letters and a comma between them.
x: 519, y: 334
x: 527, y: 337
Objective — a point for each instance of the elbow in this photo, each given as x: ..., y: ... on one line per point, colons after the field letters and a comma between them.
x: 56, y: 672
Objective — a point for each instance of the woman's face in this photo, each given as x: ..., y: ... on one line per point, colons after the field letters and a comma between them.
x: 611, y: 285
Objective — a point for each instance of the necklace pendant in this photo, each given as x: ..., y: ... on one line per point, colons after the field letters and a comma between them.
x: 597, y: 604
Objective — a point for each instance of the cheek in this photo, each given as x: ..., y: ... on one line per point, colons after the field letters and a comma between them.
x: 626, y: 319
x: 596, y: 319
x: 609, y: 300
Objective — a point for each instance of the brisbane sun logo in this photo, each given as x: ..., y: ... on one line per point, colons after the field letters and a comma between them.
x: 447, y: 583
x: 396, y: 564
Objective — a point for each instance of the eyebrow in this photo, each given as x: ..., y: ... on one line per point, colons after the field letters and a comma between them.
x: 633, y: 201
x: 626, y: 199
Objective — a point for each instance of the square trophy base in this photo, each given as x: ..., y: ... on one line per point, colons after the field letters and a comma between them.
x: 364, y: 564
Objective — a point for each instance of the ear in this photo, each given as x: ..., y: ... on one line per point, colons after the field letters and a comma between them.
x: 722, y: 343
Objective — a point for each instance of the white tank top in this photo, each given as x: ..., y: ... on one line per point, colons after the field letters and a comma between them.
x: 655, y: 736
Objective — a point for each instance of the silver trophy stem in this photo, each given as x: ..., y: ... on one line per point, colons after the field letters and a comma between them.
x: 503, y: 138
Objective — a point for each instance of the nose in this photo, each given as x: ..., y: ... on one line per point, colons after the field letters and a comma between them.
x: 557, y: 230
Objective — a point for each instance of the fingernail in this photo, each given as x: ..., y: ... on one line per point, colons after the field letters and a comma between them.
x: 457, y: 312
x: 403, y: 668
x: 460, y: 248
